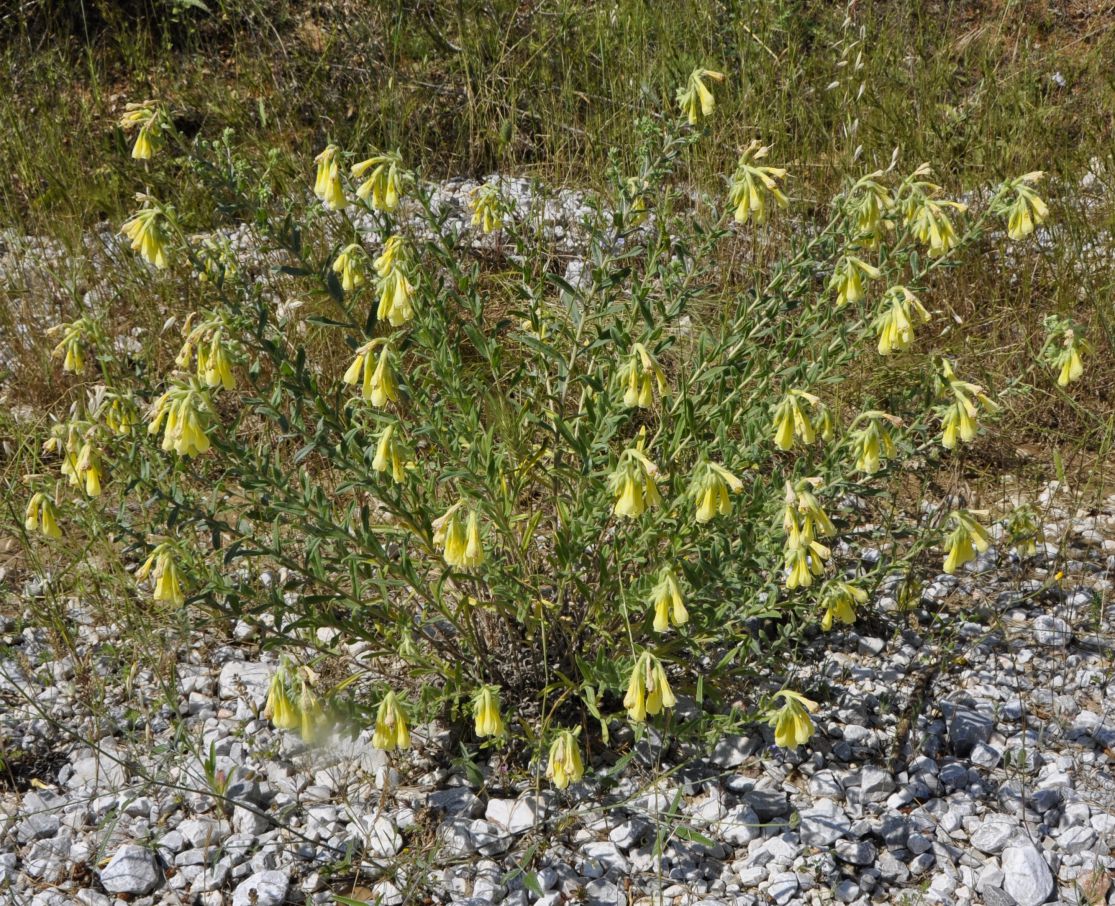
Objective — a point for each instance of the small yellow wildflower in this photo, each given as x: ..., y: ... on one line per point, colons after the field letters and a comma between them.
x: 350, y: 266
x: 487, y: 207
x: 461, y: 542
x: 895, y: 321
x: 638, y: 375
x: 847, y: 279
x: 42, y: 515
x: 162, y: 567
x: 391, y: 725
x: 803, y: 521
x: 394, y: 285
x: 648, y: 690
x: 313, y: 715
x: 874, y: 442
x: 838, y: 601
x: 564, y: 765
x: 147, y: 232
x: 280, y: 709
x: 1026, y: 211
x: 668, y: 602
x: 327, y: 184
x: 966, y: 538
x: 695, y: 99
x: 150, y: 118
x: 182, y: 413
x: 71, y: 347
x: 793, y: 419
x: 751, y: 184
x: 388, y: 457
x: 792, y: 724
x: 373, y: 368
x: 485, y: 710
x: 384, y: 185
x: 709, y: 488
x: 925, y: 215
x: 1063, y: 349
x: 633, y: 483
x: 959, y: 415
x: 868, y: 204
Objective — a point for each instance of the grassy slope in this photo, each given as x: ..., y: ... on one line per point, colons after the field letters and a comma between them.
x: 981, y: 90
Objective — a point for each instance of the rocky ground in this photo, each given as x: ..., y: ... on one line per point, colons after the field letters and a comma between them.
x: 963, y: 755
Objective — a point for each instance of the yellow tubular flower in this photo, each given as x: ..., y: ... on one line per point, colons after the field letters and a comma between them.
x: 71, y: 347
x: 384, y: 186
x: 485, y: 711
x: 388, y: 458
x: 147, y: 233
x: 895, y: 322
x: 966, y: 538
x: 564, y: 765
x: 932, y: 226
x: 648, y: 690
x: 668, y: 602
x: 633, y: 484
x: 874, y: 443
x: 791, y: 419
x: 396, y: 294
x: 695, y: 99
x: 391, y: 725
x: 847, y: 279
x: 42, y: 515
x: 182, y: 413
x: 868, y: 204
x: 838, y: 601
x: 327, y: 184
x: 150, y: 119
x: 1027, y: 211
x: 350, y: 266
x: 280, y: 710
x: 751, y: 184
x: 792, y: 724
x: 89, y: 470
x: 638, y: 375
x: 486, y: 206
x: 168, y: 583
x: 709, y: 489
x: 959, y: 415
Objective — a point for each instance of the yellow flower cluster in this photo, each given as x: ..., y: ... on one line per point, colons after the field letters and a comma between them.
x: 966, y: 538
x: 214, y: 358
x: 119, y: 413
x: 709, y: 488
x: 804, y: 521
x: 648, y: 689
x: 694, y: 98
x: 71, y: 347
x: 959, y: 415
x: 564, y: 765
x: 668, y: 602
x: 384, y: 184
x: 1063, y: 349
x: 394, y: 285
x: 752, y: 184
x: 925, y: 215
x: 847, y: 279
x: 1026, y: 211
x: 802, y: 415
x: 391, y: 725
x: 168, y: 582
x: 327, y: 184
x: 146, y: 229
x: 487, y: 207
x: 374, y: 370
x: 638, y: 375
x: 461, y: 544
x: 182, y: 413
x: 150, y: 118
x: 485, y: 712
x: 792, y: 724
x: 838, y: 603
x: 868, y: 204
x: 895, y: 321
x: 874, y: 442
x: 389, y: 456
x: 81, y: 461
x: 633, y: 483
x: 302, y: 712
x: 42, y: 515
x: 350, y: 266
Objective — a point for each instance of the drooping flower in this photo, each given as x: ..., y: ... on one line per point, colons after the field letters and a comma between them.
x: 88, y: 469
x: 792, y: 724
x: 350, y: 266
x: 388, y: 456
x: 460, y: 541
x: 695, y: 99
x: 959, y: 415
x: 280, y: 708
x: 485, y: 711
x: 183, y: 414
x: 384, y: 185
x: 161, y: 566
x: 925, y: 215
x: 966, y: 538
x: 150, y: 118
x: 803, y: 520
x: 633, y: 483
x: 838, y: 603
x: 668, y: 602
x: 1064, y: 346
x: 391, y: 725
x: 71, y: 347
x: 1023, y: 206
x: 895, y: 321
x: 373, y: 368
x: 42, y: 516
x: 394, y: 284
x: 487, y: 207
x: 146, y: 229
x: 710, y: 490
x: 752, y: 184
x: 327, y: 184
x: 648, y: 689
x: 868, y: 204
x: 214, y: 352
x: 800, y: 414
x: 638, y: 375
x: 874, y: 442
x: 847, y: 279
x: 564, y: 765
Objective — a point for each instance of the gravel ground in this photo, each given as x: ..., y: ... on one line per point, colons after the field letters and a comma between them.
x: 963, y: 755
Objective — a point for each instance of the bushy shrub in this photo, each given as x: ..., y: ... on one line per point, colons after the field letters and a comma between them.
x: 540, y: 502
